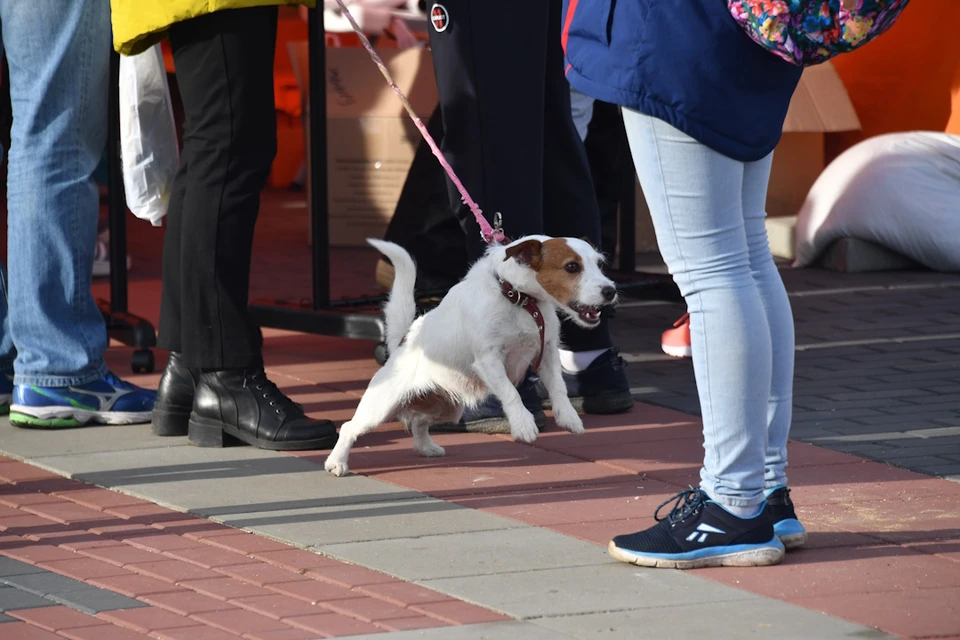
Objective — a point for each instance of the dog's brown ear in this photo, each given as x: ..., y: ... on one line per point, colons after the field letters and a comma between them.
x: 527, y: 253
x: 589, y: 242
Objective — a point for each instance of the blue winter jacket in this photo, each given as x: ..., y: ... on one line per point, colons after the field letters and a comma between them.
x: 684, y: 61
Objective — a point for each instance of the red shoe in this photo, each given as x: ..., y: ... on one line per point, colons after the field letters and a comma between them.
x: 676, y: 341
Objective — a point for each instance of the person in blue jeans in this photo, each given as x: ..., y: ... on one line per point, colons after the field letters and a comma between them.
x: 52, y: 372
x: 704, y: 108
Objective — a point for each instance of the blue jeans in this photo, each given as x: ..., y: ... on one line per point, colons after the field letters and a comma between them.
x: 708, y: 212
x: 58, y: 54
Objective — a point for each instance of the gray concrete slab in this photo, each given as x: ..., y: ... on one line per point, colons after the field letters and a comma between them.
x: 5, y: 618
x: 217, y: 481
x: 576, y: 590
x: 471, y: 554
x: 319, y: 527
x: 753, y: 618
x: 61, y: 589
x: 11, y: 567
x: 93, y: 600
x: 12, y: 599
x: 25, y: 444
x: 44, y: 582
x: 488, y: 631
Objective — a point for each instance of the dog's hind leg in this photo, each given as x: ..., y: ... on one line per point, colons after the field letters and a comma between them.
x: 423, y: 444
x: 378, y: 404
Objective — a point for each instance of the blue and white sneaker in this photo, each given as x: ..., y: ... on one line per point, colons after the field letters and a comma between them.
x: 699, y: 532
x: 785, y: 522
x: 6, y: 390
x: 108, y: 400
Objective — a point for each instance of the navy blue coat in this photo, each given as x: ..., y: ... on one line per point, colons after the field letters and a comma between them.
x: 686, y: 62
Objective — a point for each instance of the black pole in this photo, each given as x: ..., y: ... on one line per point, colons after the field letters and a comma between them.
x: 117, y: 205
x: 317, y: 125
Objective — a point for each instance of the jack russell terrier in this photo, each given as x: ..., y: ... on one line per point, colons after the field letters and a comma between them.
x: 489, y: 329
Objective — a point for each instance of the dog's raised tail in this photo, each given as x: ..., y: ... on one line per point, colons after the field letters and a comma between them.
x: 401, y: 308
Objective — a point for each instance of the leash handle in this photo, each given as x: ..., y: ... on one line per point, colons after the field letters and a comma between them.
x: 489, y: 234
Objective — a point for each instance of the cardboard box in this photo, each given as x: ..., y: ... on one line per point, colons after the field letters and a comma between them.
x: 820, y: 105
x: 370, y: 138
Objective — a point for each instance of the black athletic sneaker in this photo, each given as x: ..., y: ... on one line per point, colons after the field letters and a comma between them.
x: 489, y: 418
x: 785, y: 522
x: 698, y: 532
x: 601, y: 388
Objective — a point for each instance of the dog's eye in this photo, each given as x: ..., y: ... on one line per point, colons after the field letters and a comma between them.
x: 572, y: 267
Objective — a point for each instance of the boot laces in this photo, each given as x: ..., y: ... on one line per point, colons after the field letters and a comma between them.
x: 268, y: 390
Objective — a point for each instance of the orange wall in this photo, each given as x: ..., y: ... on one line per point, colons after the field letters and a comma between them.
x: 908, y: 78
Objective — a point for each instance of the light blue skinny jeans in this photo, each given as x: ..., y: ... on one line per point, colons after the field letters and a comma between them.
x: 58, y: 53
x: 708, y: 212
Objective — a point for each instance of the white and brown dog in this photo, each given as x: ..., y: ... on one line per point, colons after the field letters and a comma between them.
x: 500, y: 320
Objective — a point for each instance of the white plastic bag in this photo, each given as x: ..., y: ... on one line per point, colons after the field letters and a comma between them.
x: 148, y: 135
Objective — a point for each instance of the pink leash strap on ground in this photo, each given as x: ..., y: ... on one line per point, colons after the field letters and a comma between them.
x: 490, y: 235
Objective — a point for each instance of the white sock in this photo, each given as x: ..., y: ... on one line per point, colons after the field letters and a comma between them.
x: 743, y: 512
x: 574, y: 361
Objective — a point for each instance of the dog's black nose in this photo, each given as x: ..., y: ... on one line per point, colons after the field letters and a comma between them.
x: 608, y: 293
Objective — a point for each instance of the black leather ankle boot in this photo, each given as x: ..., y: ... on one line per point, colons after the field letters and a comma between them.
x: 236, y: 406
x: 171, y: 413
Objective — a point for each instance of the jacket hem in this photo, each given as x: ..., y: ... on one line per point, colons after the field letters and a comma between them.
x: 674, y: 117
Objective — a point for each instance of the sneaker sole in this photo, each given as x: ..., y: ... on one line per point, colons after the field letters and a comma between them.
x: 69, y: 418
x: 791, y: 533
x: 204, y: 432
x: 677, y: 352
x: 793, y: 540
x: 488, y: 425
x: 755, y: 556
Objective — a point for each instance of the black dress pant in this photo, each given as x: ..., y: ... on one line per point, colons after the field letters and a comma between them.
x: 224, y: 66
x: 422, y: 221
x: 508, y: 132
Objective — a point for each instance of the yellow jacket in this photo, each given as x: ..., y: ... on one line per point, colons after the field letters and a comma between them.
x: 140, y: 24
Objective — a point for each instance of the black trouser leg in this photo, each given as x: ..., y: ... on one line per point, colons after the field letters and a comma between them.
x: 424, y: 224
x: 490, y: 75
x: 224, y: 64
x: 569, y: 202
x: 508, y: 132
x: 169, y: 331
x: 604, y: 144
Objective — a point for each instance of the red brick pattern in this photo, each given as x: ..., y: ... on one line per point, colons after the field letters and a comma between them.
x: 201, y: 580
x: 879, y: 536
x: 599, y: 486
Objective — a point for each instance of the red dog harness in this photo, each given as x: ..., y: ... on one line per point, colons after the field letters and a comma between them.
x: 530, y: 306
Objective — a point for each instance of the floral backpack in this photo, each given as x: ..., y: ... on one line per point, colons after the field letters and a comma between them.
x: 809, y: 32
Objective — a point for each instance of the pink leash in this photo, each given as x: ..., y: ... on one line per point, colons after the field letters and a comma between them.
x: 489, y: 234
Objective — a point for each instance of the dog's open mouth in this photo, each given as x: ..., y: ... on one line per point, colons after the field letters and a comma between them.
x: 590, y: 315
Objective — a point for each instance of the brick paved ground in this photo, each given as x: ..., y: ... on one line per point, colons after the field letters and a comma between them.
x: 90, y: 564
x: 877, y: 369
x: 500, y: 539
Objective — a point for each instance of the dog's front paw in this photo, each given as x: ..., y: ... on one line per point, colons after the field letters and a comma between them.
x: 524, y: 428
x: 336, y: 466
x: 566, y: 417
